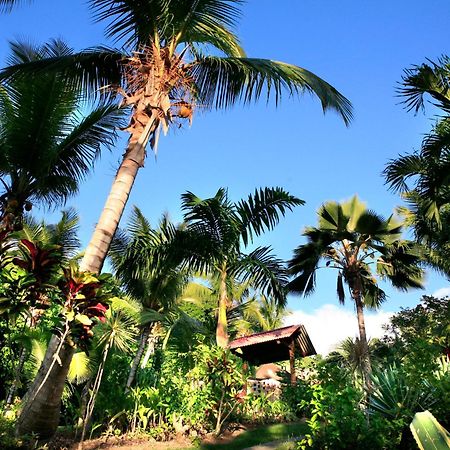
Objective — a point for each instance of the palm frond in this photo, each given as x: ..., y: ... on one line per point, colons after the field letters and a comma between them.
x: 266, y: 273
x: 92, y: 71
x: 263, y: 210
x: 432, y: 79
x: 221, y: 82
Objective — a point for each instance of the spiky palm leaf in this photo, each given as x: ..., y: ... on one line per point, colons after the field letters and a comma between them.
x: 47, y: 146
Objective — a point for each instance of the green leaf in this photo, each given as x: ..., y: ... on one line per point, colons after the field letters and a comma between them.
x: 83, y: 319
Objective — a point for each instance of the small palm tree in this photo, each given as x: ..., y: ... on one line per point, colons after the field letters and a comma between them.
x: 117, y: 332
x: 358, y: 244
x: 214, y: 239
x: 146, y: 275
x: 48, y: 147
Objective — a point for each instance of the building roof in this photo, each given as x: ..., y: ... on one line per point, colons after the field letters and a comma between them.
x: 273, y: 346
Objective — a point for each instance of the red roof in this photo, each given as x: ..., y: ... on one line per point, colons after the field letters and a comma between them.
x: 265, y: 336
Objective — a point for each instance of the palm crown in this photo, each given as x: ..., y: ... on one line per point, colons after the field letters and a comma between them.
x: 359, y: 244
x: 216, y: 234
x: 351, y: 239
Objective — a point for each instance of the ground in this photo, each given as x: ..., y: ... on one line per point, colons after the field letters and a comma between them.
x: 241, y: 438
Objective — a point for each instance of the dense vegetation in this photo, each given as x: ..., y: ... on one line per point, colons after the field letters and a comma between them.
x: 144, y: 350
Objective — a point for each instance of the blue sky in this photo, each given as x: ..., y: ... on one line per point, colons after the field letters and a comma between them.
x: 359, y: 47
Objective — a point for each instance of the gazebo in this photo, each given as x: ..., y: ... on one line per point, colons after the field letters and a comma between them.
x: 281, y: 344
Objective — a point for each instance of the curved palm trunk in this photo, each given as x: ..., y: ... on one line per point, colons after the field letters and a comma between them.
x: 42, y: 404
x: 145, y: 333
x: 100, y: 242
x: 222, y: 323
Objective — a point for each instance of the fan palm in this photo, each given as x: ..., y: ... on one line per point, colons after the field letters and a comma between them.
x: 48, y: 147
x: 216, y: 234
x: 157, y: 285
x: 358, y: 244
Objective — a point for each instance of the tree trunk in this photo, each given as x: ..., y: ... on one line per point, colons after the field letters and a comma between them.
x: 100, y: 242
x: 151, y: 344
x: 366, y: 364
x: 42, y: 404
x: 95, y: 388
x: 145, y: 333
x: 222, y: 324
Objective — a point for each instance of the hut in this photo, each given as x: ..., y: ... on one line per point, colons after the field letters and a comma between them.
x: 273, y: 346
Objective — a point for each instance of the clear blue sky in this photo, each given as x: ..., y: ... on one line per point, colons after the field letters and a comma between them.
x: 359, y: 47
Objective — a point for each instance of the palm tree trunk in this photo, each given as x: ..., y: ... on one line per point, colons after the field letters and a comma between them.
x: 133, y: 160
x: 145, y: 333
x: 17, y: 374
x: 367, y: 366
x: 151, y: 344
x: 42, y: 403
x: 222, y: 324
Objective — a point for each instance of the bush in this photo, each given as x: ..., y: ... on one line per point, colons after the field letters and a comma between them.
x: 337, y: 422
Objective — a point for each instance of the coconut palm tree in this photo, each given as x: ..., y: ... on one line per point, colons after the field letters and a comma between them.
x: 359, y: 245
x: 214, y: 239
x: 154, y: 281
x: 48, y: 147
x: 165, y: 75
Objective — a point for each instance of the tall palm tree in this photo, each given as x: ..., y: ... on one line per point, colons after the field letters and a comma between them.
x: 214, y: 240
x: 359, y: 245
x: 423, y: 177
x: 164, y: 76
x: 154, y: 281
x: 48, y: 147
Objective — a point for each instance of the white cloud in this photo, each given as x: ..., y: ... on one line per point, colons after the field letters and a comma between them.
x: 442, y: 292
x: 330, y: 324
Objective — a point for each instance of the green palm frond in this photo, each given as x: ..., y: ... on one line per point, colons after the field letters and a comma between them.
x: 266, y: 272
x: 432, y: 79
x: 93, y: 71
x: 263, y: 210
x: 222, y: 82
x: 48, y: 147
x: 171, y: 22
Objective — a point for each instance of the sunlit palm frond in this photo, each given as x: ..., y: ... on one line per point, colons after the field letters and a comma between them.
x: 222, y: 82
x: 266, y: 273
x: 263, y: 210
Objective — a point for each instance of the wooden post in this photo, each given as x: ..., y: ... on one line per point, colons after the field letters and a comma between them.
x: 292, y: 361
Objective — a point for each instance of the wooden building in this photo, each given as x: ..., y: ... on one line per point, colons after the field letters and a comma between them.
x: 281, y: 344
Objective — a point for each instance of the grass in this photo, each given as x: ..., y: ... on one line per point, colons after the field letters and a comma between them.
x: 260, y: 436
